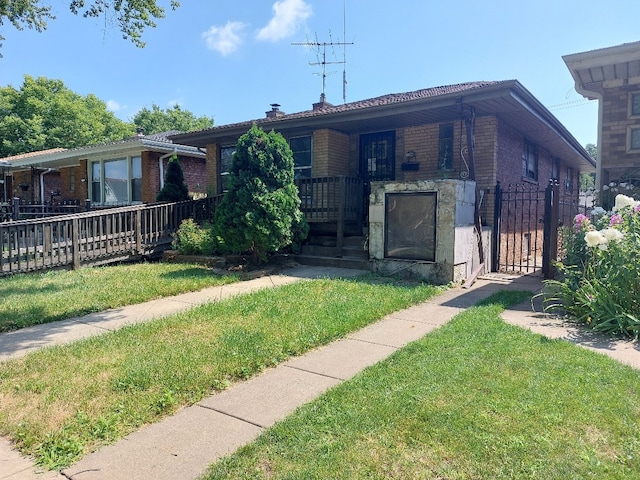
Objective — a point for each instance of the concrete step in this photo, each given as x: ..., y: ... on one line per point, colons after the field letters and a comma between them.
x: 337, y: 262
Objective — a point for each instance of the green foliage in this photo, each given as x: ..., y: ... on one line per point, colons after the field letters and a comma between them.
x: 157, y: 120
x: 193, y: 239
x: 131, y: 16
x: 45, y: 114
x: 260, y: 213
x: 599, y: 281
x: 174, y: 189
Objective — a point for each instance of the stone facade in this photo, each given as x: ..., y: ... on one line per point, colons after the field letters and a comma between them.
x: 455, y: 240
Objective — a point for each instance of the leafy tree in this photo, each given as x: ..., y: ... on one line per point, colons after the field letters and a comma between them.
x: 44, y: 114
x: 588, y: 180
x: 131, y: 16
x: 174, y: 189
x: 260, y: 213
x: 157, y: 120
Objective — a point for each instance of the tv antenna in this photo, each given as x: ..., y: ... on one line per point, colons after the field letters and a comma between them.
x: 321, y: 47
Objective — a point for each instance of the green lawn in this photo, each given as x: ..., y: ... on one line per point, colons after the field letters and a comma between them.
x: 62, y: 402
x: 34, y: 298
x: 476, y: 399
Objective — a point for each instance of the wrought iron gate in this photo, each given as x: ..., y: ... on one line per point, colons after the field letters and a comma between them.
x: 526, y: 224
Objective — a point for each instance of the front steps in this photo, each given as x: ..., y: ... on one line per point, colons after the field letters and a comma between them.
x: 322, y: 251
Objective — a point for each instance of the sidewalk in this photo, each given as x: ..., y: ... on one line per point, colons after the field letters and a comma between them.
x: 184, y: 445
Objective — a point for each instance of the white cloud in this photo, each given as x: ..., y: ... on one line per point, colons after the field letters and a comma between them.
x: 288, y: 15
x: 114, y: 106
x: 224, y: 40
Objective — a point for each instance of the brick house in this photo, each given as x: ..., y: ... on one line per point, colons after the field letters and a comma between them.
x: 117, y: 173
x: 612, y: 76
x: 409, y: 149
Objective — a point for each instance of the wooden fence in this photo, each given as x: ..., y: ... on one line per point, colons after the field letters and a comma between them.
x: 96, y: 237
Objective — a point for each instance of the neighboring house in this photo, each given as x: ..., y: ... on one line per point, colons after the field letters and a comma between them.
x: 124, y: 172
x: 412, y: 143
x: 612, y: 76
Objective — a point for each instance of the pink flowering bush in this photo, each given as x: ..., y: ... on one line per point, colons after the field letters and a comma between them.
x: 599, y: 275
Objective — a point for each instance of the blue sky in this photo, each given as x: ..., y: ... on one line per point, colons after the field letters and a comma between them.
x: 231, y: 59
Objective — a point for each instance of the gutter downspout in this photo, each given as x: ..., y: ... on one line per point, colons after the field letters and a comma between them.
x: 161, y: 165
x: 42, y: 174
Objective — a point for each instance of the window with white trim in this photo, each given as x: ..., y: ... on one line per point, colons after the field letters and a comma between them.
x: 555, y: 169
x: 633, y: 139
x: 530, y: 161
x: 116, y: 181
x: 568, y: 182
x: 634, y: 105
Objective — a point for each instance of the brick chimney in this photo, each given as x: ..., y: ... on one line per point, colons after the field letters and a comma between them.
x: 322, y: 104
x: 275, y: 111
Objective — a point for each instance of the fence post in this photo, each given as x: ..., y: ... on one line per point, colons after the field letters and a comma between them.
x: 75, y: 236
x: 138, y: 230
x: 342, y: 186
x: 497, y: 219
x: 550, y: 235
x: 16, y: 209
x: 87, y: 205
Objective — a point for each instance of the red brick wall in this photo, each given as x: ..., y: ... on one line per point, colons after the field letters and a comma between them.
x: 194, y: 170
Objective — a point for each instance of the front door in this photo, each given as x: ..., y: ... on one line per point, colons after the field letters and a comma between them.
x: 377, y: 161
x: 377, y: 156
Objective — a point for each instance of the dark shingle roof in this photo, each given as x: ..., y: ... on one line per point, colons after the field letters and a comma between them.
x: 389, y: 99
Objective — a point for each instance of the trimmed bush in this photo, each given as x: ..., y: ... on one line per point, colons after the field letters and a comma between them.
x: 193, y: 239
x: 174, y: 189
x: 260, y: 213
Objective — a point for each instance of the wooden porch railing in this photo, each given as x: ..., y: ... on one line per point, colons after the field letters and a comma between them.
x: 109, y: 235
x: 327, y: 199
x: 332, y: 199
x: 96, y: 237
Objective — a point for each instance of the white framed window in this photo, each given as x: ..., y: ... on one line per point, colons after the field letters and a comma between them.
x: 116, y: 181
x: 530, y: 161
x: 302, y: 148
x: 555, y: 169
x: 568, y: 182
x: 634, y: 104
x: 633, y: 139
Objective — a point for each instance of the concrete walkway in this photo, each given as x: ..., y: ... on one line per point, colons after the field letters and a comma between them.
x: 185, y: 444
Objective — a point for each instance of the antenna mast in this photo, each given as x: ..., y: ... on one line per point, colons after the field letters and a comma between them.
x: 344, y: 53
x: 317, y: 44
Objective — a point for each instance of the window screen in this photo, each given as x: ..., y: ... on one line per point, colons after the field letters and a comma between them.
x: 410, y: 226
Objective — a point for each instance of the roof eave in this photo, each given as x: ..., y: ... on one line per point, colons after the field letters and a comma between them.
x: 74, y: 155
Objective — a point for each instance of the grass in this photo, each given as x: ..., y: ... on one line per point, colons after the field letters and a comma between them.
x: 476, y: 399
x: 34, y: 298
x: 62, y: 402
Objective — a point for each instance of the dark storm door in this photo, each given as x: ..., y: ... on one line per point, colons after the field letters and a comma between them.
x: 377, y: 156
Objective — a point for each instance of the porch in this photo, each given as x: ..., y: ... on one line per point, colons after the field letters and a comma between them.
x: 335, y: 209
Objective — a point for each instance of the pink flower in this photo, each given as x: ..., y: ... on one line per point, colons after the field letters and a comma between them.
x: 580, y: 222
x: 615, y: 220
